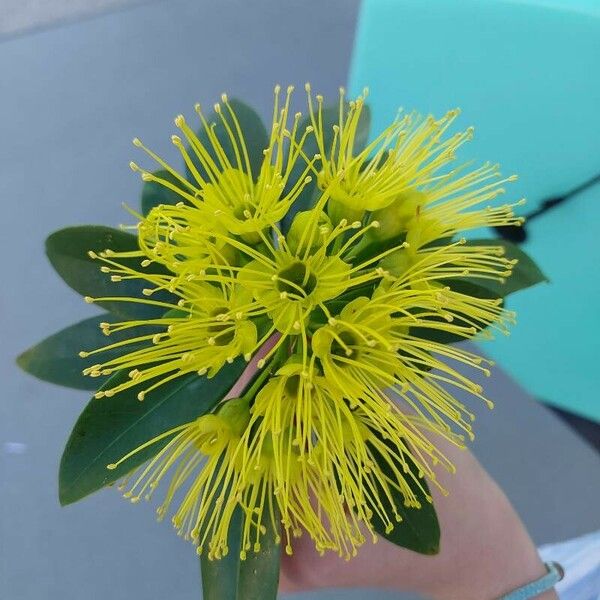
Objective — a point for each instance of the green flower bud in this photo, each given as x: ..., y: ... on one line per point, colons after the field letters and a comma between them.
x: 228, y: 255
x: 236, y: 414
x: 338, y: 210
x: 398, y: 262
x: 423, y: 231
x: 395, y: 218
x: 304, y: 220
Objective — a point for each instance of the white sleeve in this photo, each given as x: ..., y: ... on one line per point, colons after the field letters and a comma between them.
x: 580, y: 558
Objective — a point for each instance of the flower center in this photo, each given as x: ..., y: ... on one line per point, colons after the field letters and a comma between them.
x: 347, y: 347
x: 296, y: 280
x: 223, y: 331
x: 244, y: 211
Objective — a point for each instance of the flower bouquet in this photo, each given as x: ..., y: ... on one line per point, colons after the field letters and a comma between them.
x: 277, y: 354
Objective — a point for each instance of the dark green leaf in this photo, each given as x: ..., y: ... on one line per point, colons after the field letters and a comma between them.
x: 154, y: 193
x: 255, y: 137
x: 56, y: 359
x: 525, y: 273
x: 112, y: 426
x: 330, y: 118
x: 230, y: 578
x: 68, y: 250
x: 440, y: 336
x: 477, y: 288
x: 419, y: 529
x: 369, y: 248
x: 415, y: 362
x: 461, y: 285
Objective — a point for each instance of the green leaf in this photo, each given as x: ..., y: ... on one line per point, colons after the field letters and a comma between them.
x: 154, y: 193
x: 480, y: 289
x: 440, y: 336
x: 525, y: 273
x: 67, y: 250
x: 230, y: 578
x: 331, y: 117
x: 255, y: 135
x: 419, y: 529
x: 368, y: 247
x: 56, y: 359
x: 111, y: 427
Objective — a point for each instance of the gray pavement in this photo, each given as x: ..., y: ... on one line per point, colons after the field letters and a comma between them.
x: 71, y: 100
x: 20, y: 16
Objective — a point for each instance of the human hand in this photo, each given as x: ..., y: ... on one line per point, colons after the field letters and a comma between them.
x: 485, y: 549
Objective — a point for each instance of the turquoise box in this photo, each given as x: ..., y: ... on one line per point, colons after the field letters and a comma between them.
x: 527, y: 75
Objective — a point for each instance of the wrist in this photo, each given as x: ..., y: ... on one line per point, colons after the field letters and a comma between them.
x: 486, y: 552
x: 495, y: 580
x: 541, y: 587
x: 504, y: 560
x: 530, y: 587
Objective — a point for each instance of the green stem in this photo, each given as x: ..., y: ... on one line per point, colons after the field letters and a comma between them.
x: 266, y: 372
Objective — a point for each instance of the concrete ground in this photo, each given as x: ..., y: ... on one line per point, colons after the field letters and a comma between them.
x: 21, y: 16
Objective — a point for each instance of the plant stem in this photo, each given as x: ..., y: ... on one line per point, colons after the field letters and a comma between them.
x: 267, y: 370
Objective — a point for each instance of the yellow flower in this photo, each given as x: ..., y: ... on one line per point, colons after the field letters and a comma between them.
x: 289, y: 281
x: 402, y: 162
x: 181, y: 239
x: 208, y: 327
x: 369, y: 353
x: 351, y: 382
x: 289, y: 287
x: 321, y: 457
x: 226, y: 193
x: 202, y: 459
x: 434, y: 266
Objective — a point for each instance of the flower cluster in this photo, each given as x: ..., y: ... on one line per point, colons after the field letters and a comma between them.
x: 337, y: 308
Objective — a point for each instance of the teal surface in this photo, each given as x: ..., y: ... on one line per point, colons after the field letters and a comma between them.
x: 527, y: 75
